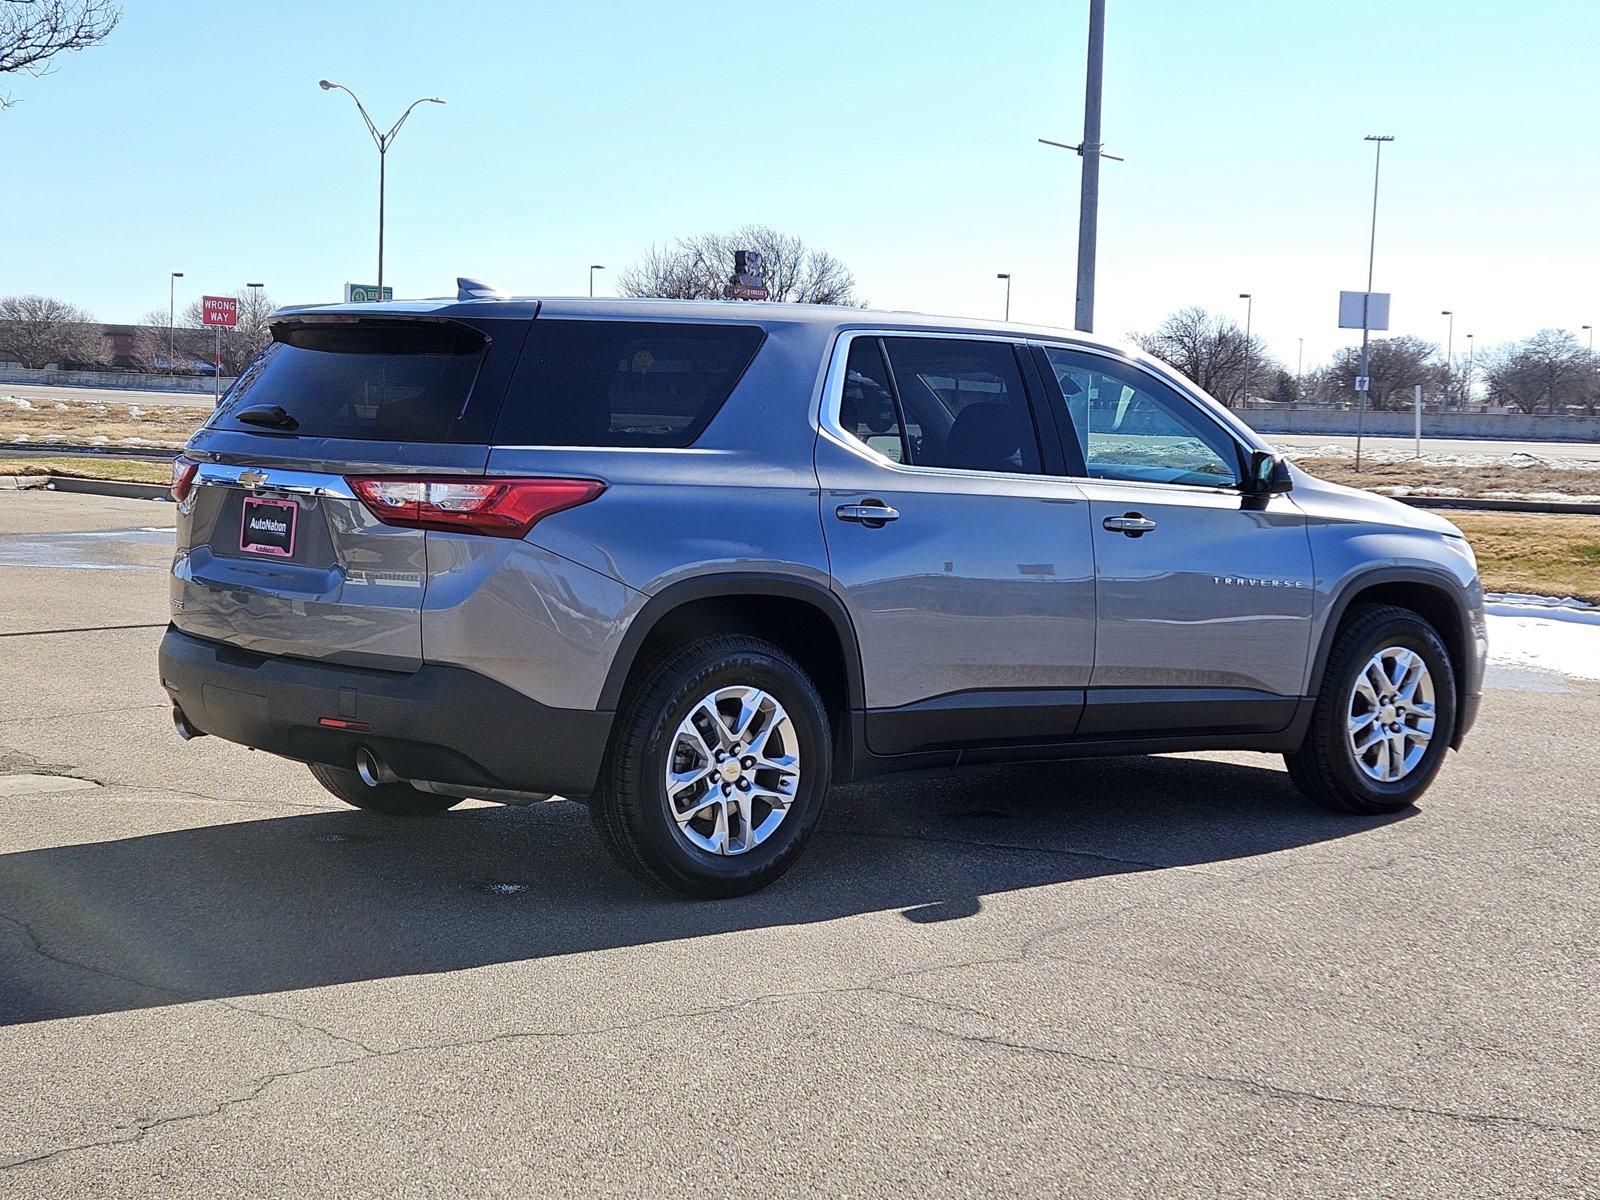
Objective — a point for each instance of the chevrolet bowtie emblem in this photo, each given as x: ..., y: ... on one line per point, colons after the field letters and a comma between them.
x: 252, y: 479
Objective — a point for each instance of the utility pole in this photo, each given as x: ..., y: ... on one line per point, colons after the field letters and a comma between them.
x: 1091, y: 150
x: 1366, y: 299
x: 1006, y: 275
x: 1089, y: 204
x: 1449, y: 347
x: 1249, y: 309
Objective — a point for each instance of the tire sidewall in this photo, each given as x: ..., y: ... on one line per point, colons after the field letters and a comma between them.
x: 653, y: 822
x: 1415, y: 635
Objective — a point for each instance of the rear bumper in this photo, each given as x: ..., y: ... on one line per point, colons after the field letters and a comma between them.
x: 439, y: 723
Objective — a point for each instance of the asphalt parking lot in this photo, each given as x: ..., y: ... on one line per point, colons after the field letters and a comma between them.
x: 1164, y: 976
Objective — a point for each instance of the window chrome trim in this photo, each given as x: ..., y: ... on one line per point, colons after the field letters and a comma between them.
x: 833, y: 399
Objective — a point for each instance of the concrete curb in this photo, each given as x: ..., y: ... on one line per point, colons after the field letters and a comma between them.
x: 22, y: 483
x: 1516, y: 506
x: 69, y: 450
x: 109, y: 487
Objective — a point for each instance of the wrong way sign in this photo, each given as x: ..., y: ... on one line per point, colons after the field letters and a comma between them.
x: 219, y: 310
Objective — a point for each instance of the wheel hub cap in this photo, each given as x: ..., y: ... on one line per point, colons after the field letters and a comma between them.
x: 733, y: 770
x: 1391, y: 714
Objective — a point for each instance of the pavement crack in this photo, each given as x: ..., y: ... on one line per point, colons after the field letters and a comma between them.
x: 1255, y: 1086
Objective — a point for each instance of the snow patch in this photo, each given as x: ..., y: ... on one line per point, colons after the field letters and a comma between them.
x: 1434, y: 458
x: 1561, y: 636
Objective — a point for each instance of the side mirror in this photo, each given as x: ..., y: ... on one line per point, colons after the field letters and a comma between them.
x: 1269, y: 474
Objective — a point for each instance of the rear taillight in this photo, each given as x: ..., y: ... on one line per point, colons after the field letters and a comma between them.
x: 183, y: 470
x: 494, y: 507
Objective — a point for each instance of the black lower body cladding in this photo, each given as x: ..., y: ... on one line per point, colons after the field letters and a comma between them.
x: 439, y: 723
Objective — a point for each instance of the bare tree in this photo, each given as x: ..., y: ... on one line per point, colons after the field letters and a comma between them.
x: 1210, y: 350
x: 1548, y: 371
x: 1398, y: 365
x: 698, y: 268
x: 33, y: 32
x: 37, y: 331
x: 243, y: 342
x: 190, y: 344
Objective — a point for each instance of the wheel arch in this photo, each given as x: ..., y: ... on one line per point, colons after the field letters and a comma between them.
x: 1434, y: 595
x: 783, y: 609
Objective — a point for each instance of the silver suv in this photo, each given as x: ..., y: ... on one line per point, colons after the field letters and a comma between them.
x: 695, y: 563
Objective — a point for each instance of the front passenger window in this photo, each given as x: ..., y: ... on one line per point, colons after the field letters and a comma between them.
x: 1131, y: 427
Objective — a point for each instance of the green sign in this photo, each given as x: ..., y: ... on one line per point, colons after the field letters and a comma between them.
x: 362, y: 293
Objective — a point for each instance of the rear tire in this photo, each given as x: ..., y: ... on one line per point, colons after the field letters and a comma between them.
x: 391, y: 799
x: 718, y: 768
x: 1356, y: 709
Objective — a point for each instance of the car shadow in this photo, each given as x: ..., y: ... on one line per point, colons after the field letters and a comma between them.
x: 258, y: 906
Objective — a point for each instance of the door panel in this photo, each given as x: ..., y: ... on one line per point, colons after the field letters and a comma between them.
x: 1216, y: 595
x: 979, y: 583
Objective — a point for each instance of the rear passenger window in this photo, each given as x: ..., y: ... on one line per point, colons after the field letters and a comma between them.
x: 867, y: 408
x: 622, y: 383
x: 964, y: 404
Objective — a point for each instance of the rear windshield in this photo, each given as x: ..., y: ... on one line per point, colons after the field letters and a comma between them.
x: 374, y: 380
x: 622, y: 383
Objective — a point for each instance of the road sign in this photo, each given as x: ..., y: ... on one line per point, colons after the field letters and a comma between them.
x: 1376, y: 315
x: 219, y: 310
x: 364, y: 293
x: 1363, y: 383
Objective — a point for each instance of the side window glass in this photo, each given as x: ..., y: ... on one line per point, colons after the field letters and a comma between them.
x: 964, y: 405
x: 867, y: 409
x: 1131, y: 427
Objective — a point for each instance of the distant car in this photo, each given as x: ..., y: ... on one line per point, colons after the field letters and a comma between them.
x: 694, y: 563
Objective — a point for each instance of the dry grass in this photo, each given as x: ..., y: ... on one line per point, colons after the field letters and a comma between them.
x: 93, y: 423
x: 124, y: 470
x: 1403, y: 478
x: 1543, y: 554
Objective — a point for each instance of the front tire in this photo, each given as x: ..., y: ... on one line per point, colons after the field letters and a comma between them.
x: 391, y: 799
x: 1384, y: 717
x: 718, y: 768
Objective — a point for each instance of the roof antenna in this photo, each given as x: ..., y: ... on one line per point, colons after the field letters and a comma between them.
x: 477, y: 289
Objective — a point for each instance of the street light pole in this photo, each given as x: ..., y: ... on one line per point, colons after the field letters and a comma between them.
x: 593, y: 267
x: 1449, y: 347
x: 1299, y: 365
x: 1366, y: 299
x: 1249, y: 349
x: 382, y: 141
x: 1466, y: 390
x: 172, y: 317
x: 1006, y: 275
x: 1590, y: 328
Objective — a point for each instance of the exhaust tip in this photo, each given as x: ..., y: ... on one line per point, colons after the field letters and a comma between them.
x: 373, y: 770
x: 185, y: 729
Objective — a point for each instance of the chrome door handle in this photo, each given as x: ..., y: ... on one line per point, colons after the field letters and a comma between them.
x: 1133, y: 524
x: 872, y: 514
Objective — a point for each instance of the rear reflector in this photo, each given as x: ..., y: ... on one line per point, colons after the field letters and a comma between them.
x: 493, y: 507
x: 341, y: 723
x: 183, y: 470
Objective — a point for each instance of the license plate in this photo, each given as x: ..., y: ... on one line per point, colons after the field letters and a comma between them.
x: 267, y: 526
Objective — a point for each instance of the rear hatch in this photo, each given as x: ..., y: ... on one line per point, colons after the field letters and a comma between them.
x: 276, y: 552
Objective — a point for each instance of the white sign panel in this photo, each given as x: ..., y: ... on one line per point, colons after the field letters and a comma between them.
x: 1351, y: 305
x: 1363, y: 383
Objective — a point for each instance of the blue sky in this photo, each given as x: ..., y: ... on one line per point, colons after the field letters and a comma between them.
x: 897, y: 134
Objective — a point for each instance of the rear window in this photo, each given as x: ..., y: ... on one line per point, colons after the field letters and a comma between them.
x: 622, y: 383
x: 373, y: 380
